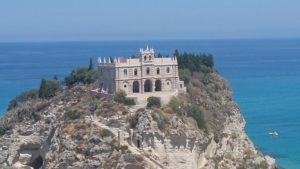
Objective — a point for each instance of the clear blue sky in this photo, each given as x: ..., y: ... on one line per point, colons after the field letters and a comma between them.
x: 67, y: 20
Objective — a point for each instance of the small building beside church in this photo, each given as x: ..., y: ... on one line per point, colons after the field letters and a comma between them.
x: 144, y: 74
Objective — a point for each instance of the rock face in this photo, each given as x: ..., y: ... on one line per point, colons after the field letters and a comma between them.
x: 76, y: 130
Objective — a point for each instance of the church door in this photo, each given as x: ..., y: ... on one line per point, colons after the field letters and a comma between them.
x: 148, y: 86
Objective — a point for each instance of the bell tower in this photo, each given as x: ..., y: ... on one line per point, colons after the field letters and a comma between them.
x: 147, y: 55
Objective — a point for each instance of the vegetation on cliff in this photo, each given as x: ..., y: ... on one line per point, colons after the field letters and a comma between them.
x: 84, y: 75
x: 120, y: 97
x: 80, y: 128
x: 48, y: 88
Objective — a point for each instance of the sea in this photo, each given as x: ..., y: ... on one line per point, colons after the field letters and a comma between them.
x: 263, y: 73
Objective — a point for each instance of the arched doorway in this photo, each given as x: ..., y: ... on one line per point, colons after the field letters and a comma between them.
x: 148, y: 86
x: 157, y: 85
x: 135, y: 87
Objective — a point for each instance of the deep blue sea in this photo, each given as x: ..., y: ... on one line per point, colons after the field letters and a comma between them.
x: 264, y: 75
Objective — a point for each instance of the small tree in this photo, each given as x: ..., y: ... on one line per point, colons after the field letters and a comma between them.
x: 48, y: 88
x: 176, y: 53
x: 185, y: 75
x: 91, y: 64
x: 55, y: 77
x: 159, y: 55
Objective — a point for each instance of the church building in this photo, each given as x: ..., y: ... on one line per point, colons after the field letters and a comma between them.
x: 144, y: 74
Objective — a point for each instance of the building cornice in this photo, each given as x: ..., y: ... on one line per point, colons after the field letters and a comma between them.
x: 152, y: 77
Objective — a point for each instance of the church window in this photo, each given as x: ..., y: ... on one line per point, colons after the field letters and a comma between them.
x: 148, y: 71
x: 145, y: 57
x: 135, y: 72
x: 150, y: 57
x: 125, y: 85
x: 157, y: 71
x: 168, y: 70
x: 125, y: 72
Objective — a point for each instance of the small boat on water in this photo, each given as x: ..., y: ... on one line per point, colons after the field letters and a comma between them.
x: 273, y: 133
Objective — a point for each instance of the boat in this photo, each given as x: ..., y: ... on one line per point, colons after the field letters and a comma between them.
x: 273, y: 133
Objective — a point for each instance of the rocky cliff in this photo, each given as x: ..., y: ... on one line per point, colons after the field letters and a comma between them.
x: 203, y: 128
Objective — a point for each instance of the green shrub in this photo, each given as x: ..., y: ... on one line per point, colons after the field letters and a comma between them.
x: 85, y: 75
x: 27, y: 95
x: 129, y: 157
x: 23, y: 97
x: 93, y: 105
x: 120, y: 97
x: 2, y: 130
x: 72, y: 114
x: 129, y: 101
x: 153, y: 102
x: 174, y: 104
x: 198, y: 116
x: 161, y: 125
x: 105, y: 133
x: 48, y: 88
x: 123, y: 148
x: 12, y: 104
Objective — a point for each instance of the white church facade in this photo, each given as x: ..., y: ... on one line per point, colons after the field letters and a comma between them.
x: 144, y: 74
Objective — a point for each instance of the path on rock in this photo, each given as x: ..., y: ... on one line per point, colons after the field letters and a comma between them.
x: 131, y: 148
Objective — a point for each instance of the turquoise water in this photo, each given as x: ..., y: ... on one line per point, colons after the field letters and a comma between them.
x: 264, y: 75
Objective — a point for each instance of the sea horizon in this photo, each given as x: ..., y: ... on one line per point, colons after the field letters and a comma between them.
x: 263, y: 74
x: 152, y: 40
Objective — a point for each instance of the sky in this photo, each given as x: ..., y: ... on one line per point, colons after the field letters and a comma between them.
x: 100, y: 20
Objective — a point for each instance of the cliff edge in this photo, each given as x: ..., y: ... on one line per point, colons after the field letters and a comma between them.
x: 200, y: 129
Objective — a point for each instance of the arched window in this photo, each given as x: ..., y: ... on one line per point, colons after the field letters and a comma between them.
x: 145, y: 57
x: 168, y: 70
x: 125, y: 72
x: 135, y: 72
x: 150, y: 57
x: 157, y: 85
x: 148, y: 71
x: 157, y: 71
